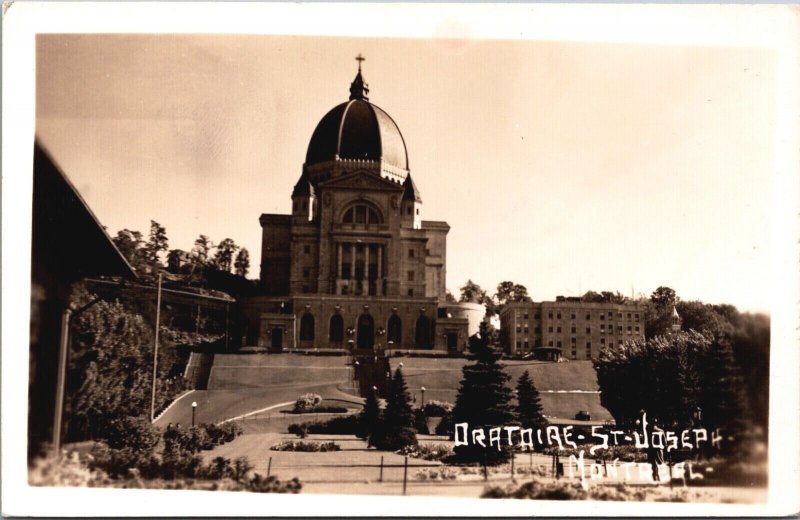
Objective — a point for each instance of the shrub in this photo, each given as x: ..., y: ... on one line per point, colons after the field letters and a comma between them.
x: 346, y: 425
x: 65, y: 470
x: 427, y: 451
x: 322, y: 409
x: 271, y: 484
x: 435, y: 408
x: 305, y: 446
x: 241, y: 466
x: 131, y: 432
x: 306, y: 402
x: 299, y: 429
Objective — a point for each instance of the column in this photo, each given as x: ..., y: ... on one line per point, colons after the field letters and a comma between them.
x: 353, y: 261
x: 366, y: 262
x: 339, y: 260
x: 379, y: 280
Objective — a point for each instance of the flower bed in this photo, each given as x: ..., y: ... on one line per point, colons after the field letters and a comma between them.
x: 306, y: 446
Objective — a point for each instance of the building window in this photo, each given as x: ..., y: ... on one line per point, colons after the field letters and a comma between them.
x: 558, y: 344
x: 588, y: 316
x: 526, y: 328
x: 519, y: 344
x: 536, y: 316
x: 629, y: 315
x: 629, y: 329
x: 549, y: 329
x: 537, y: 330
x: 572, y: 316
x: 610, y: 315
x: 558, y: 329
x: 411, y: 292
x: 307, y: 249
x: 602, y: 341
x: 619, y: 315
x: 519, y: 329
x: 637, y: 328
x: 550, y: 315
x: 306, y: 289
x: 362, y: 214
x: 574, y: 354
x: 422, y: 334
x: 525, y: 315
x: 602, y: 317
x: 537, y: 342
x: 336, y: 329
x: 307, y: 327
x: 526, y: 345
x: 411, y: 276
x: 574, y: 329
x: 573, y: 340
x: 550, y: 343
x: 636, y: 316
x: 306, y: 272
x: 619, y: 329
x: 602, y: 329
x: 588, y: 330
x: 558, y: 316
x: 411, y: 253
x: 408, y: 210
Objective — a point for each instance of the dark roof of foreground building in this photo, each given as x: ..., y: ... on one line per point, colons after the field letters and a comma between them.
x: 66, y: 234
x: 359, y: 130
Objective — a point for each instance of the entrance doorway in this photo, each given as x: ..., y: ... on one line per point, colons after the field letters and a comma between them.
x: 277, y: 339
x: 452, y: 341
x: 366, y: 332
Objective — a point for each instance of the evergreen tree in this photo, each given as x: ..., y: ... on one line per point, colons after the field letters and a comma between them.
x: 223, y: 259
x: 722, y: 401
x: 242, y: 262
x: 156, y: 244
x: 483, y: 402
x: 370, y: 417
x: 529, y: 405
x: 397, y: 427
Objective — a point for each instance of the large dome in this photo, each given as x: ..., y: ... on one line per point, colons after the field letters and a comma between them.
x: 357, y: 129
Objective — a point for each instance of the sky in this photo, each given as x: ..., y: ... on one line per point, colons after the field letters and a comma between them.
x: 563, y: 166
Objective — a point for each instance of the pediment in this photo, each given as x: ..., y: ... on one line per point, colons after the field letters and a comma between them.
x: 361, y: 180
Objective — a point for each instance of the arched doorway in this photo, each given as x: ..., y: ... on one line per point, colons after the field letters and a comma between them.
x: 336, y: 329
x: 422, y: 335
x: 307, y: 327
x: 365, y: 335
x: 394, y: 330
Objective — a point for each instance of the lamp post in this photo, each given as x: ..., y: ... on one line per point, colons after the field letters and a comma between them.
x: 155, y: 349
x: 422, y: 390
x: 194, y: 408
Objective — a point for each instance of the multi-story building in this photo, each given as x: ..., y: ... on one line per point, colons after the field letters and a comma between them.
x: 354, y: 264
x: 568, y: 327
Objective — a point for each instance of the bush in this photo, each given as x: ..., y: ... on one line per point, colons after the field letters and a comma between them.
x: 305, y: 446
x: 389, y: 440
x: 299, y: 429
x: 435, y: 408
x: 271, y: 484
x: 131, y: 432
x: 321, y: 409
x: 65, y: 470
x: 427, y: 451
x: 346, y: 425
x: 446, y: 426
x: 306, y: 402
x: 562, y: 490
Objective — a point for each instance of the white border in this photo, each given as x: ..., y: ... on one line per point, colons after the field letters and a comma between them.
x: 771, y: 27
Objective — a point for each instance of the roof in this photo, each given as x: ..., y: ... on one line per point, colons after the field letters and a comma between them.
x: 357, y: 129
x: 67, y: 238
x: 410, y: 191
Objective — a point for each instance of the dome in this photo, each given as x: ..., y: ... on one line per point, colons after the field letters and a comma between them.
x: 357, y: 129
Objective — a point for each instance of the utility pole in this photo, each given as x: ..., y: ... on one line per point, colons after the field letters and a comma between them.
x: 155, y: 350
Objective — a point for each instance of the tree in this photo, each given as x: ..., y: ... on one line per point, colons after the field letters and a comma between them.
x: 592, y: 297
x: 156, y: 244
x: 370, y: 417
x: 397, y: 427
x: 448, y: 296
x: 242, y: 263
x: 508, y: 292
x: 529, y: 404
x: 722, y: 400
x: 202, y: 246
x: 664, y: 297
x: 483, y: 401
x: 175, y: 259
x: 472, y: 293
x: 223, y: 259
x: 130, y: 244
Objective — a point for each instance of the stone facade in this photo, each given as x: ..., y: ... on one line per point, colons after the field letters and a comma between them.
x: 568, y: 328
x: 354, y: 253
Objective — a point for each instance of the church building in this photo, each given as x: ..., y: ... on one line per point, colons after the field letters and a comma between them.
x: 354, y: 265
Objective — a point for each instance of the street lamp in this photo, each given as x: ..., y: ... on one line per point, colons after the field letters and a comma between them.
x: 194, y: 408
x: 422, y: 389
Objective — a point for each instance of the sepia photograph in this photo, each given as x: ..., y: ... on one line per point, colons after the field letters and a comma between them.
x: 455, y: 261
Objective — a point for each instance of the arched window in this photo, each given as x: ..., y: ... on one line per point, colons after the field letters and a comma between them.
x: 362, y: 214
x: 393, y: 330
x: 336, y: 329
x: 422, y: 334
x: 307, y: 327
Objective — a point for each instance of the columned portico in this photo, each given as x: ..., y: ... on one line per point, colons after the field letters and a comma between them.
x: 365, y: 276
